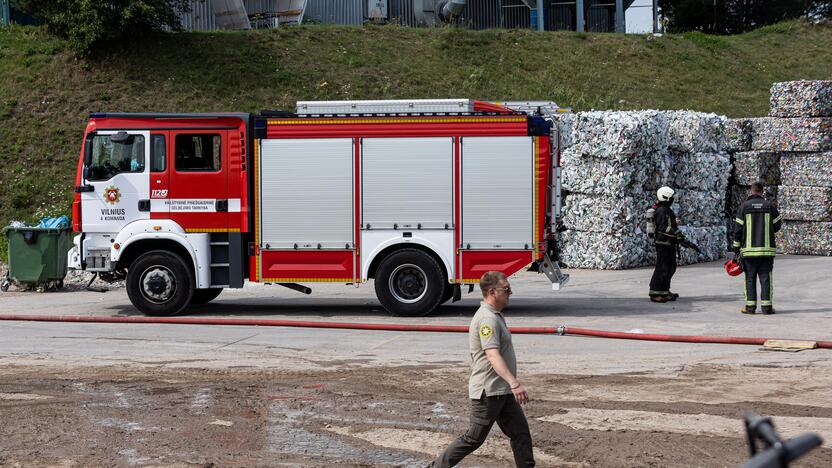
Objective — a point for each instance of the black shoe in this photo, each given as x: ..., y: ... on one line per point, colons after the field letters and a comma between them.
x: 672, y: 296
x: 659, y: 299
x: 768, y: 310
x: 749, y: 310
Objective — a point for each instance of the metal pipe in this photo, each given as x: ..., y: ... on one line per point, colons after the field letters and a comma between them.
x: 540, y: 24
x: 452, y: 8
x: 297, y: 287
x: 579, y: 16
x: 619, y: 16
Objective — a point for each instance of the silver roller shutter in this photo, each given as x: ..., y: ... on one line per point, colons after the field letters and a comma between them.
x: 306, y: 193
x: 497, y: 198
x: 407, y: 183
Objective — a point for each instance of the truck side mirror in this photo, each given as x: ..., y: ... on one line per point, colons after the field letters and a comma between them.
x: 88, y: 150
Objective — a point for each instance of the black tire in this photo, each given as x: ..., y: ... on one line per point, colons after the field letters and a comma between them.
x: 204, y: 296
x: 160, y: 283
x: 410, y: 283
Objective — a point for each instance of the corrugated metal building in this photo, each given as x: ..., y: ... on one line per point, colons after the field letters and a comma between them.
x: 599, y: 15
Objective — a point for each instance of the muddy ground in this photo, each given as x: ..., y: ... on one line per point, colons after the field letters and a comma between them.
x: 400, y: 416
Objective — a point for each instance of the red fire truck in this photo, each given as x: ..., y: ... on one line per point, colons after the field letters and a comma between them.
x: 421, y: 196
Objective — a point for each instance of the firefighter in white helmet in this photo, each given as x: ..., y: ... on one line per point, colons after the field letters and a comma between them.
x: 666, y: 237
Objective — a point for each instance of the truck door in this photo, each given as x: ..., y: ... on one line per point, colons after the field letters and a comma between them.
x: 159, y: 175
x: 198, y: 180
x: 116, y: 182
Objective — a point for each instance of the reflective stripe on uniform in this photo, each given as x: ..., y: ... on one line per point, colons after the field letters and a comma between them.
x: 739, y: 221
x: 748, y: 229
x: 767, y: 223
x: 736, y: 243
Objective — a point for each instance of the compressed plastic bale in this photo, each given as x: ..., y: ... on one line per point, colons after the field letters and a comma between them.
x: 699, y: 207
x: 596, y: 250
x: 615, y: 135
x: 737, y: 135
x: 757, y: 166
x: 805, y: 203
x: 602, y: 213
x: 595, y: 175
x: 801, y: 99
x: 805, y: 238
x: 791, y: 134
x: 811, y: 169
x: 711, y: 240
x: 565, y: 124
x: 660, y: 171
x: 695, y: 132
x: 702, y: 171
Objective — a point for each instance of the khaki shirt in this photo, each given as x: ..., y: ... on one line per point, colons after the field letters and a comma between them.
x: 488, y: 330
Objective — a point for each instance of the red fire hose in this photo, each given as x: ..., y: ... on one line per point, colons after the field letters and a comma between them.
x: 561, y: 330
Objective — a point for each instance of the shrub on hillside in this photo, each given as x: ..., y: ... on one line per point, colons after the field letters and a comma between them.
x: 89, y: 24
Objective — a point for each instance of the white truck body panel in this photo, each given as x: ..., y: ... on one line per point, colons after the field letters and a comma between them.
x: 440, y: 242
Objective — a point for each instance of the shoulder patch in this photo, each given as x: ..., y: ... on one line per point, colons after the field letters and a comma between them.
x: 486, y: 331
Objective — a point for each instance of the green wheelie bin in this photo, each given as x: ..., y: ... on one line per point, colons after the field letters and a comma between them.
x: 37, y: 257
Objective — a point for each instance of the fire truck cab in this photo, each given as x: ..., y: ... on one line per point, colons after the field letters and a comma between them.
x: 421, y: 196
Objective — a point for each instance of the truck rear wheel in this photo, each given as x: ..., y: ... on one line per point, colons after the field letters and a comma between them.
x: 160, y: 283
x: 410, y: 283
x: 204, y: 296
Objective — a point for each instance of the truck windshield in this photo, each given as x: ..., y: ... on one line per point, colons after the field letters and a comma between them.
x: 110, y: 158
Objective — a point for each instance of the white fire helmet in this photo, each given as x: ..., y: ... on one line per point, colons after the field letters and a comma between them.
x: 664, y: 194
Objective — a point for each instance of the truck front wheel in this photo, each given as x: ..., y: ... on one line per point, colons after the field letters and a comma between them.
x: 160, y: 283
x: 410, y: 283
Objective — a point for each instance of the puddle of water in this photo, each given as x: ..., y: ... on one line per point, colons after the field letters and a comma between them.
x: 287, y: 436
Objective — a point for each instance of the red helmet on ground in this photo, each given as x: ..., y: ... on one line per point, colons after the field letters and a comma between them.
x: 733, y: 268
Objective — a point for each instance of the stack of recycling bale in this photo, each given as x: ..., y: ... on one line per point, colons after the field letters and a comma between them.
x: 613, y: 162
x: 800, y: 127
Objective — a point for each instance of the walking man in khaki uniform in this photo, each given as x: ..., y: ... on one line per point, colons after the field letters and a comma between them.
x: 495, y: 392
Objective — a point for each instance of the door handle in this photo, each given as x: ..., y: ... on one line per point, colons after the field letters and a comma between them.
x: 84, y: 188
x: 144, y: 205
x: 222, y: 206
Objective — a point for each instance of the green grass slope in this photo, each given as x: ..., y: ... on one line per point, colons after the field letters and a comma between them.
x: 46, y: 94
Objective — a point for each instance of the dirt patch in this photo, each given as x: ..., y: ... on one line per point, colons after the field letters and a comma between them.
x: 364, y: 417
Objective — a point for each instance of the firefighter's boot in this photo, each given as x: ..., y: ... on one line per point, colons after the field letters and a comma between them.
x: 750, y: 310
x: 672, y: 296
x: 659, y: 299
x: 768, y: 310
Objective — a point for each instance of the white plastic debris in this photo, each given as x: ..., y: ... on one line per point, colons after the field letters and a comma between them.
x: 695, y: 132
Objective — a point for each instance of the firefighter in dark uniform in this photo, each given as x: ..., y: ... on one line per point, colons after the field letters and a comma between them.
x: 666, y: 237
x: 754, y: 226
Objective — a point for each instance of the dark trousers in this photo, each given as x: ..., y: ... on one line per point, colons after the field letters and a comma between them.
x: 503, y: 409
x: 665, y: 268
x: 758, y: 267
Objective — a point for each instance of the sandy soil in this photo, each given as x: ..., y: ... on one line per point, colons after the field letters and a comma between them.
x: 400, y: 416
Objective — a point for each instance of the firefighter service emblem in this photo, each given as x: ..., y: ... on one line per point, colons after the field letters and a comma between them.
x: 112, y: 195
x: 486, y: 331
